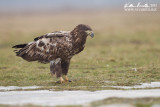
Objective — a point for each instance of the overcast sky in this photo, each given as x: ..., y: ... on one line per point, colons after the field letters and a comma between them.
x: 29, y: 5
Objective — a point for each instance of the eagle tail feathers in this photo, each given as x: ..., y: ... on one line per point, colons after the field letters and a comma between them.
x: 19, y: 46
x: 21, y: 51
x: 26, y: 51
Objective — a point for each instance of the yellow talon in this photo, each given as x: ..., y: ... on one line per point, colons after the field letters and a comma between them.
x: 66, y: 78
x: 61, y: 80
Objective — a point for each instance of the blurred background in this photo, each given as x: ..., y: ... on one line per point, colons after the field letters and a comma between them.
x: 28, y: 18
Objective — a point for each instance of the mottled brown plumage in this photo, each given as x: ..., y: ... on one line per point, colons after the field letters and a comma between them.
x: 56, y: 48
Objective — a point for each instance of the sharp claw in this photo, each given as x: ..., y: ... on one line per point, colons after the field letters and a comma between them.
x: 69, y: 80
x: 60, y: 81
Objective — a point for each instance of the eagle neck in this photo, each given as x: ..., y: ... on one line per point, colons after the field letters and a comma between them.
x: 79, y: 40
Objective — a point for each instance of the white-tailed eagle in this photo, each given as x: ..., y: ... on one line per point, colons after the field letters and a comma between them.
x: 56, y: 48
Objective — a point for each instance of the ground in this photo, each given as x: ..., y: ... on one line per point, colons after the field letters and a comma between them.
x: 125, y: 50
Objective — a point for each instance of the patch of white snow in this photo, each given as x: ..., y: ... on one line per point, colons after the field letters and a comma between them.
x: 54, y: 98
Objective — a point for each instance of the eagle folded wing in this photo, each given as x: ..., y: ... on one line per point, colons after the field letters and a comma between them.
x: 38, y: 50
x: 43, y: 49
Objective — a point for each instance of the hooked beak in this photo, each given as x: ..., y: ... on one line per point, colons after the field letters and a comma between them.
x: 90, y: 33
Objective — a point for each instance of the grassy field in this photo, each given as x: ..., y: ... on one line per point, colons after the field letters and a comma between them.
x: 125, y: 50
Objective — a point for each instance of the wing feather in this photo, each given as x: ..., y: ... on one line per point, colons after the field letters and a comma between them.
x: 44, y: 48
x: 53, y: 34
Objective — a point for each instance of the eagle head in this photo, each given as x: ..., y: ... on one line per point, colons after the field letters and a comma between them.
x: 85, y: 28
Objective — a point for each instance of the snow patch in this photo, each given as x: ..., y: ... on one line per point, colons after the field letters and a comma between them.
x: 142, y: 85
x: 54, y: 98
x: 9, y: 88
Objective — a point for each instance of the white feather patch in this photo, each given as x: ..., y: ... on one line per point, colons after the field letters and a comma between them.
x: 56, y: 61
x: 59, y: 32
x: 45, y: 40
x: 54, y: 44
x: 48, y: 34
x: 37, y: 42
x: 65, y: 32
x: 68, y: 39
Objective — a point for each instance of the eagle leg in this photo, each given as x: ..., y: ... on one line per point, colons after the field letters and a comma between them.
x: 56, y: 69
x: 65, y: 67
x: 52, y: 69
